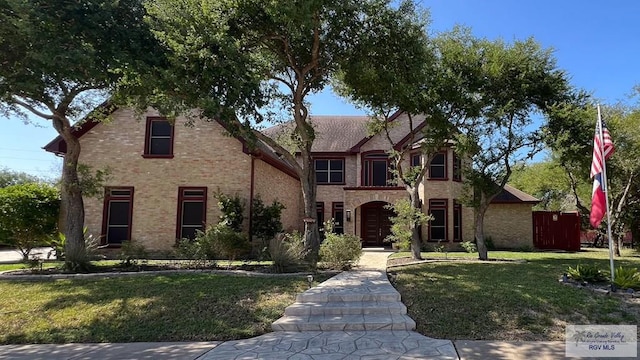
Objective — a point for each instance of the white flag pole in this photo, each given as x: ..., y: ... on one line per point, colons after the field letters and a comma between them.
x: 605, y: 188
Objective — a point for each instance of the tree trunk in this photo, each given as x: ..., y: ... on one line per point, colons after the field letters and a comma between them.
x: 416, y: 244
x: 479, y: 231
x: 72, y: 205
x: 311, y: 226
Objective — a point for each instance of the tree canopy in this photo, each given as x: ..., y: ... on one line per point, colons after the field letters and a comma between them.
x: 59, y: 60
x: 245, y: 61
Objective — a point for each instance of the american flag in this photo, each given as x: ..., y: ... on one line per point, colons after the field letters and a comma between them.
x: 602, y: 150
x: 598, y: 149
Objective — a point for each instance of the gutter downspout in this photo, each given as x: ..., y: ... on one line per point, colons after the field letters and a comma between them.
x: 251, y: 189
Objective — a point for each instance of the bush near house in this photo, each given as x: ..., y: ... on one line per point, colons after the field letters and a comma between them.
x: 340, y: 252
x: 28, y: 215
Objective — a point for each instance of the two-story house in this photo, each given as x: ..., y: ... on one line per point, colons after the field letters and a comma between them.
x: 164, y: 178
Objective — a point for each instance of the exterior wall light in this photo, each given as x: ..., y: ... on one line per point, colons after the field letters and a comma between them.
x: 348, y: 215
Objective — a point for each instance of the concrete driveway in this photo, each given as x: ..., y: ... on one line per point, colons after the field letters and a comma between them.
x: 14, y: 256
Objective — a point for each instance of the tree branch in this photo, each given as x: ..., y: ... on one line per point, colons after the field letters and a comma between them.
x: 31, y: 109
x: 274, y: 144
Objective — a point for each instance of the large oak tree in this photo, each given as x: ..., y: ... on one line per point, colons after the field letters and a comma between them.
x: 249, y: 60
x: 58, y: 60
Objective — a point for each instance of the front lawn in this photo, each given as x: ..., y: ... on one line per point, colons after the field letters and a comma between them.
x: 182, y: 307
x: 508, y: 300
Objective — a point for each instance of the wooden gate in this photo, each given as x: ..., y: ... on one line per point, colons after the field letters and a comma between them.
x: 556, y: 230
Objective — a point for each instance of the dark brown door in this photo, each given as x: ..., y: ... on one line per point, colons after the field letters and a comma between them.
x: 376, y: 225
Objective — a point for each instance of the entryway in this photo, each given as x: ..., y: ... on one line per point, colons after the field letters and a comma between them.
x: 376, y: 225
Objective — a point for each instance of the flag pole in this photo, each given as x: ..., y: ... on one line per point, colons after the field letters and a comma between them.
x: 605, y: 188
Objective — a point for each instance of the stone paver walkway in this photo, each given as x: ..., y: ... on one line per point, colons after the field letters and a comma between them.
x: 354, y: 315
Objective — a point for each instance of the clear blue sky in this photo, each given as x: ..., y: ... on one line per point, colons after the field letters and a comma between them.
x: 596, y: 42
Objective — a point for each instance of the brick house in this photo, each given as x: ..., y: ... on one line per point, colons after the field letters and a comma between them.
x: 164, y: 177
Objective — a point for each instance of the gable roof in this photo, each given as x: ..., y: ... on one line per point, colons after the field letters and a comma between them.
x: 58, y: 146
x: 511, y: 195
x: 259, y: 149
x: 338, y: 133
x: 333, y: 133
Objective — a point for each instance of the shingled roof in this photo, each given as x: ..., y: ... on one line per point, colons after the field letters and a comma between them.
x: 511, y: 195
x: 343, y: 133
x: 333, y: 133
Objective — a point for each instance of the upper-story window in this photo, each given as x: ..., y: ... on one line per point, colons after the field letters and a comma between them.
x: 416, y: 159
x: 438, y: 166
x: 457, y: 167
x: 329, y: 171
x: 158, y: 140
x: 375, y: 170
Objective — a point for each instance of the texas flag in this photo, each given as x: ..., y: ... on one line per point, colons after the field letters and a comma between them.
x: 602, y: 150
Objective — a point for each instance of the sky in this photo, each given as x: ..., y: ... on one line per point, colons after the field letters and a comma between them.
x: 596, y: 42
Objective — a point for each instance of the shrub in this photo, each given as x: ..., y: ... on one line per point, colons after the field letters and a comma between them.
x: 287, y: 251
x: 469, y: 246
x: 232, y: 208
x: 339, y: 252
x: 266, y: 223
x: 132, y: 254
x: 588, y: 273
x: 627, y: 278
x: 193, y: 251
x: 91, y: 246
x: 223, y: 242
x: 28, y: 215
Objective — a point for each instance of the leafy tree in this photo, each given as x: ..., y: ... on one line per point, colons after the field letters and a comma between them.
x: 519, y: 80
x: 251, y: 60
x: 548, y: 181
x: 58, y: 61
x: 412, y: 76
x: 28, y: 215
x: 8, y: 178
x: 407, y: 218
x: 570, y: 133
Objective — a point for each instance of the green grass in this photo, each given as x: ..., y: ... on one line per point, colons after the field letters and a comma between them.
x: 18, y: 266
x: 593, y: 253
x: 508, y: 301
x: 185, y: 307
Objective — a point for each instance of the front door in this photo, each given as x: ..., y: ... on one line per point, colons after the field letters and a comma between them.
x: 376, y: 225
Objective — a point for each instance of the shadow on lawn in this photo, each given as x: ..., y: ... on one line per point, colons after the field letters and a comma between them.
x: 503, y: 301
x: 160, y: 308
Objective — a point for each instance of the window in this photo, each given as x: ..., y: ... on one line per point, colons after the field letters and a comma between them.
x: 320, y: 213
x: 329, y: 171
x: 159, y: 138
x: 192, y: 211
x: 457, y: 167
x: 376, y: 170
x: 438, y: 166
x: 416, y: 159
x: 337, y: 213
x: 438, y: 226
x: 116, y: 217
x: 457, y: 221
